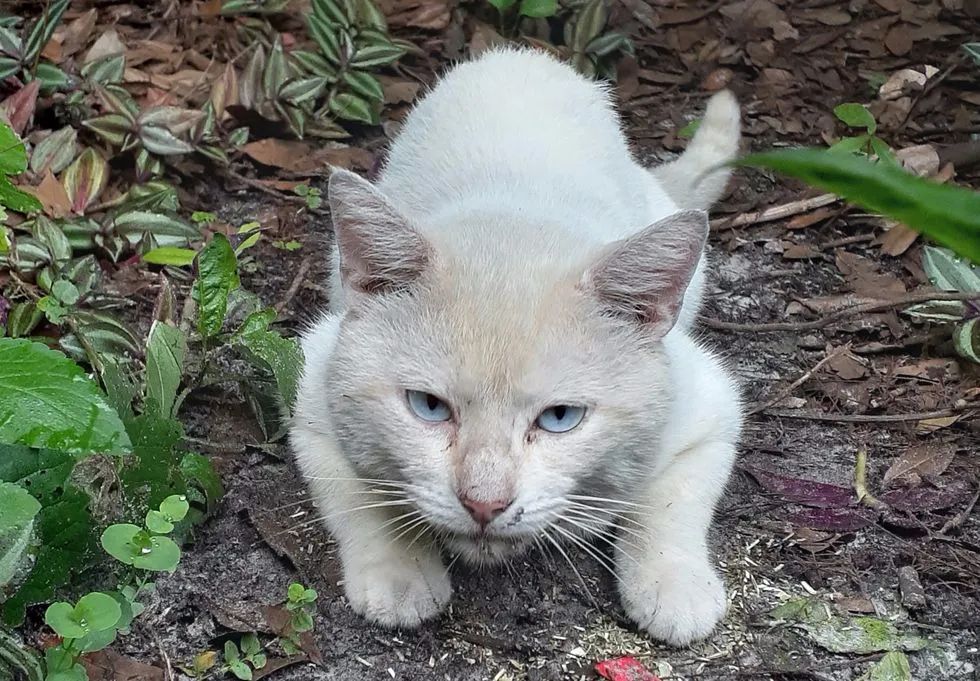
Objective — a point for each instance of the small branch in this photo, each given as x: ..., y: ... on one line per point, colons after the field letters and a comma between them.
x: 909, y: 299
x: 775, y: 212
x: 800, y: 381
x: 304, y: 267
x: 957, y: 521
x: 865, y: 497
x: 867, y: 418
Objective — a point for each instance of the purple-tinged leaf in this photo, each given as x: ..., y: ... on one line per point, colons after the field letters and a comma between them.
x: 925, y: 499
x: 833, y: 519
x: 800, y: 491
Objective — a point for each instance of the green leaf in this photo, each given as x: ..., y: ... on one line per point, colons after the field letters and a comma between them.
x: 856, y: 116
x: 97, y: 612
x: 8, y: 65
x: 315, y: 64
x: 43, y: 28
x: 18, y: 510
x: 303, y: 89
x: 134, y: 223
x: 938, y: 311
x: 152, y: 473
x: 11, y: 44
x: 972, y: 49
x: 331, y: 11
x: 170, y: 255
x: 106, y: 70
x: 950, y: 215
x: 851, y: 145
x: 966, y: 340
x: 365, y: 85
x: 271, y: 352
x: 13, y: 153
x: 85, y: 179
x: 326, y: 37
x: 538, y: 8
x: 231, y: 651
x: 589, y: 22
x: 174, y: 507
x: 166, y: 347
x: 688, y: 130
x: 51, y: 77
x: 276, y: 71
x: 55, y: 151
x: 15, y: 199
x: 61, y: 618
x: 103, y: 331
x: 894, y: 666
x: 250, y: 85
x: 353, y: 108
x: 157, y: 523
x: 19, y: 658
x: 295, y: 592
x: 502, y: 5
x: 51, y: 403
x: 947, y: 272
x: 883, y: 152
x: 607, y: 44
x: 250, y: 645
x: 218, y: 277
x: 158, y: 140
x: 64, y: 526
x: 198, y: 471
x: 371, y: 56
x: 131, y: 545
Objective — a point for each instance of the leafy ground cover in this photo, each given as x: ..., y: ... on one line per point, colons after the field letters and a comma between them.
x: 162, y: 171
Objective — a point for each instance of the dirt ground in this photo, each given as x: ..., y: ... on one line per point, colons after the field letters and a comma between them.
x: 789, y: 64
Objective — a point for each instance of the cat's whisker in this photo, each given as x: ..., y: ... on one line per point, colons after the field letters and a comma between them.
x: 602, y: 523
x: 617, y: 515
x: 607, y: 537
x: 397, y: 519
x: 411, y: 526
x: 372, y: 481
x: 268, y: 511
x: 589, y: 550
x: 568, y: 560
x: 424, y: 529
x: 607, y: 500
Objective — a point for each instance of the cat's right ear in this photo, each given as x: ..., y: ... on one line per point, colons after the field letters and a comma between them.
x: 379, y: 250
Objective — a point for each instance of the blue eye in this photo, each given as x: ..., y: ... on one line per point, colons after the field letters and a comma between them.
x: 561, y: 418
x: 427, y: 406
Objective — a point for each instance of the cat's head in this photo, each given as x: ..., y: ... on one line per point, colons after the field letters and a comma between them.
x: 504, y: 382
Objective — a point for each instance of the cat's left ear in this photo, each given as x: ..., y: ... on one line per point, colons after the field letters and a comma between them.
x: 379, y: 250
x: 643, y: 277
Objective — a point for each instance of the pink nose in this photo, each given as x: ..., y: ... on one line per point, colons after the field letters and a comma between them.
x: 484, y: 512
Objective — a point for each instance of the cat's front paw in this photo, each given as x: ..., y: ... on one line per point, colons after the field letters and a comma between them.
x: 677, y: 601
x: 399, y: 591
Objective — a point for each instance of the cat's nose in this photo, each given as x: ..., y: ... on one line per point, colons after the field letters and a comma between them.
x: 484, y: 512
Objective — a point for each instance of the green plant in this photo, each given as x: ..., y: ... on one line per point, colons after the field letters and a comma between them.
x: 20, y: 53
x: 94, y: 622
x: 870, y: 145
x: 13, y: 162
x: 241, y: 660
x: 300, y: 603
x: 575, y: 29
x: 948, y: 272
x: 948, y: 214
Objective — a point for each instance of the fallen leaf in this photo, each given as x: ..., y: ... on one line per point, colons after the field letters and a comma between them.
x: 800, y: 252
x: 286, y: 154
x: 77, y: 33
x: 864, y: 277
x: 899, y: 40
x: 808, y: 219
x: 832, y: 519
x: 108, y: 44
x: 926, y: 460
x: 52, y: 195
x: 624, y: 669
x: 927, y: 499
x: 108, y: 665
x: 921, y: 159
x: 897, y: 239
x: 800, y: 491
x: 399, y: 90
x: 848, y: 366
x: 18, y: 108
x: 901, y: 83
x: 932, y: 425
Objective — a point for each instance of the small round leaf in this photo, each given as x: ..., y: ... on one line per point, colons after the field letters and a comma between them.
x: 175, y: 507
x: 118, y: 542
x: 60, y: 616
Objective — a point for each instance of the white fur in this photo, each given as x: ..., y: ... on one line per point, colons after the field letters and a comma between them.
x: 513, y: 188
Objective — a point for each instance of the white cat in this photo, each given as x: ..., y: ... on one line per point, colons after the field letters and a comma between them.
x: 506, y: 361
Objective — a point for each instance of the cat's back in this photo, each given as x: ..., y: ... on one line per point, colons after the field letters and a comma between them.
x: 512, y: 117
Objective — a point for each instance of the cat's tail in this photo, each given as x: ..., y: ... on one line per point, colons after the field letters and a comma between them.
x: 715, y: 142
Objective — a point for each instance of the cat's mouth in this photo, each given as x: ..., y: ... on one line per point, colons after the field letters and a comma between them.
x: 486, y: 548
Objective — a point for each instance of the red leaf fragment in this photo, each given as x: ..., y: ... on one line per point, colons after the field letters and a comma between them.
x: 624, y: 669
x: 804, y: 492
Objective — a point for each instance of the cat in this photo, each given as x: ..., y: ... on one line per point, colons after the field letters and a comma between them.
x: 507, y: 360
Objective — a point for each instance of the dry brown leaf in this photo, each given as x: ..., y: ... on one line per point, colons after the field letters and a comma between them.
x: 921, y: 159
x: 800, y: 252
x: 484, y: 37
x: 897, y: 239
x: 829, y: 16
x: 808, y: 219
x: 108, y: 44
x: 932, y: 425
x: 52, y: 195
x: 108, y: 665
x: 920, y: 461
x: 899, y: 40
x: 864, y: 277
x: 399, y: 90
x: 76, y: 34
x: 848, y: 366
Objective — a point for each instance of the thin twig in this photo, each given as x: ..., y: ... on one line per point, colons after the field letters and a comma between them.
x: 265, y: 189
x: 865, y: 497
x: 775, y: 212
x: 868, y: 418
x: 800, y: 381
x: 304, y: 267
x: 956, y: 521
x: 909, y: 299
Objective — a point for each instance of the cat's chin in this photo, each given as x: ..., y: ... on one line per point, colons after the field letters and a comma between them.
x: 480, y: 550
